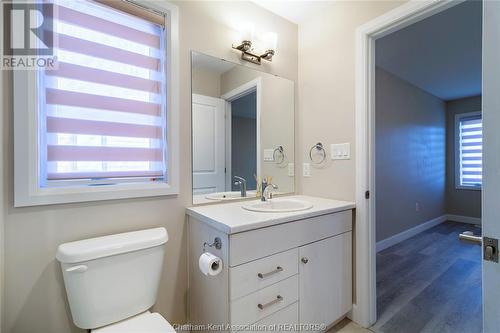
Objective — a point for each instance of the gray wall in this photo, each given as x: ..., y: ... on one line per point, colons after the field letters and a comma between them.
x: 244, y: 139
x: 244, y: 150
x: 459, y: 201
x: 410, y: 155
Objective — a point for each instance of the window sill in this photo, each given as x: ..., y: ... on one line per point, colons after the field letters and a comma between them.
x: 62, y: 195
x: 468, y: 188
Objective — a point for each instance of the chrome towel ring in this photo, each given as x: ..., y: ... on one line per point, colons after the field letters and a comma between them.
x: 320, y: 149
x: 279, y: 155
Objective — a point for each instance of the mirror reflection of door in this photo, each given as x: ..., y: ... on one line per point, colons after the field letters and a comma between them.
x: 240, y: 117
x: 208, y: 144
x: 242, y: 140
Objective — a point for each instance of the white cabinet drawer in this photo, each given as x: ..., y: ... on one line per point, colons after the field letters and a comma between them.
x: 255, y: 244
x: 282, y: 321
x: 255, y: 275
x: 264, y: 302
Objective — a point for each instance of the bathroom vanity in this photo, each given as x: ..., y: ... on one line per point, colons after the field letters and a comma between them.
x: 285, y: 268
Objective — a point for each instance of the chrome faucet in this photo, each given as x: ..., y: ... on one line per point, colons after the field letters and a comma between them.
x: 267, y: 190
x: 242, y: 183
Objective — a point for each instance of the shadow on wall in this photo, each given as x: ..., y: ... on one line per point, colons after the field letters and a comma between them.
x: 410, y: 155
x: 37, y: 303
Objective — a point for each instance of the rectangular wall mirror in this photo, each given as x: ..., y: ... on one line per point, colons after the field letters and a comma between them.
x: 242, y: 130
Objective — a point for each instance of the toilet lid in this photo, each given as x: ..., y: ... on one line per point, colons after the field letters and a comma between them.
x: 143, y: 323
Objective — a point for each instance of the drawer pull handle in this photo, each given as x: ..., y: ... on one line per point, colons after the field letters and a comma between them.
x: 278, y: 299
x: 264, y: 275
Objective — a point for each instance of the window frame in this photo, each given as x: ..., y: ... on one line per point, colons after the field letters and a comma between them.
x: 27, y: 189
x: 458, y: 119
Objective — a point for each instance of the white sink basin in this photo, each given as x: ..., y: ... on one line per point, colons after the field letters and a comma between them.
x: 229, y: 195
x: 278, y: 206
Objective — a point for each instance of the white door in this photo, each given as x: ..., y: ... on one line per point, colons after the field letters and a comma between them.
x: 491, y: 160
x: 208, y: 144
x: 325, y: 286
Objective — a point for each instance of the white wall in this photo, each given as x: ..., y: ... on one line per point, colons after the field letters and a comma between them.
x: 35, y: 299
x: 326, y: 91
x: 205, y: 82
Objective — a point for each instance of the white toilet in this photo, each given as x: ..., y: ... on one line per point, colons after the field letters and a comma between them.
x: 112, y: 281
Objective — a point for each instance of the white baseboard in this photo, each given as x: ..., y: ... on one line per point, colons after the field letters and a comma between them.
x: 463, y: 219
x: 393, y: 240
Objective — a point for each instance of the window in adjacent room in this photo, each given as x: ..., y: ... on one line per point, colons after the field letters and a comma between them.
x: 469, y: 150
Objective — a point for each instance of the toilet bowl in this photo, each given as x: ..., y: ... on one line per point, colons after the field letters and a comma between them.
x: 112, y: 281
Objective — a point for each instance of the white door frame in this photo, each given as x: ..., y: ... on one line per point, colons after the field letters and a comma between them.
x: 365, y: 308
x: 244, y: 89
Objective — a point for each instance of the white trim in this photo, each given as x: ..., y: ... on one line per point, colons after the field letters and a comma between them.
x: 244, y: 89
x: 468, y: 188
x: 463, y: 219
x: 365, y: 308
x: 457, y: 147
x: 3, y: 184
x: 228, y: 132
x: 404, y: 235
x: 26, y: 183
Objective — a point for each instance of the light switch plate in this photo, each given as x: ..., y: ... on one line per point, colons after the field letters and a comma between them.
x: 306, y: 170
x: 291, y: 169
x: 268, y: 155
x: 340, y: 151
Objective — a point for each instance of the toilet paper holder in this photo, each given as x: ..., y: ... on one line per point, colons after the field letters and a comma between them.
x: 217, y: 243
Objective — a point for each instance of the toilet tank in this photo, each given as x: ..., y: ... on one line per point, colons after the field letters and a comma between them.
x: 114, y: 277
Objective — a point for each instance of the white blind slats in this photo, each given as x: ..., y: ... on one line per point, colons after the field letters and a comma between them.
x: 471, y: 150
x: 104, y: 110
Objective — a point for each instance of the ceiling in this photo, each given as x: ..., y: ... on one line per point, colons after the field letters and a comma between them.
x: 441, y: 54
x: 294, y: 11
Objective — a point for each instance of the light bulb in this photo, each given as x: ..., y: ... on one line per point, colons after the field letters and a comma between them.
x: 245, y: 31
x: 270, y: 41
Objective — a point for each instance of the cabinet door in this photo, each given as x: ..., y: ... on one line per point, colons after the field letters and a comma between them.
x: 325, y: 280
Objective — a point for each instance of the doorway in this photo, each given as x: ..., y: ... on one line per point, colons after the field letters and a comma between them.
x: 241, y: 140
x: 364, y: 311
x: 428, y: 174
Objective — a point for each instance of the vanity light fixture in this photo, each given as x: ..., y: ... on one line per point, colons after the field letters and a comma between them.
x: 248, y: 52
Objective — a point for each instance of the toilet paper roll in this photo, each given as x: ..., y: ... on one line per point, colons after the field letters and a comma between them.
x: 210, y: 264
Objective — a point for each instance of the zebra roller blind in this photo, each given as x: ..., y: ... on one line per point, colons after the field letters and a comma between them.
x: 104, y: 106
x: 470, y: 150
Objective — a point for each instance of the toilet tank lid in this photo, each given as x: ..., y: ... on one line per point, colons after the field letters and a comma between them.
x: 94, y: 248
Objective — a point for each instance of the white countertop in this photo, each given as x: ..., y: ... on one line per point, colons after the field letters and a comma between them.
x: 232, y: 218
